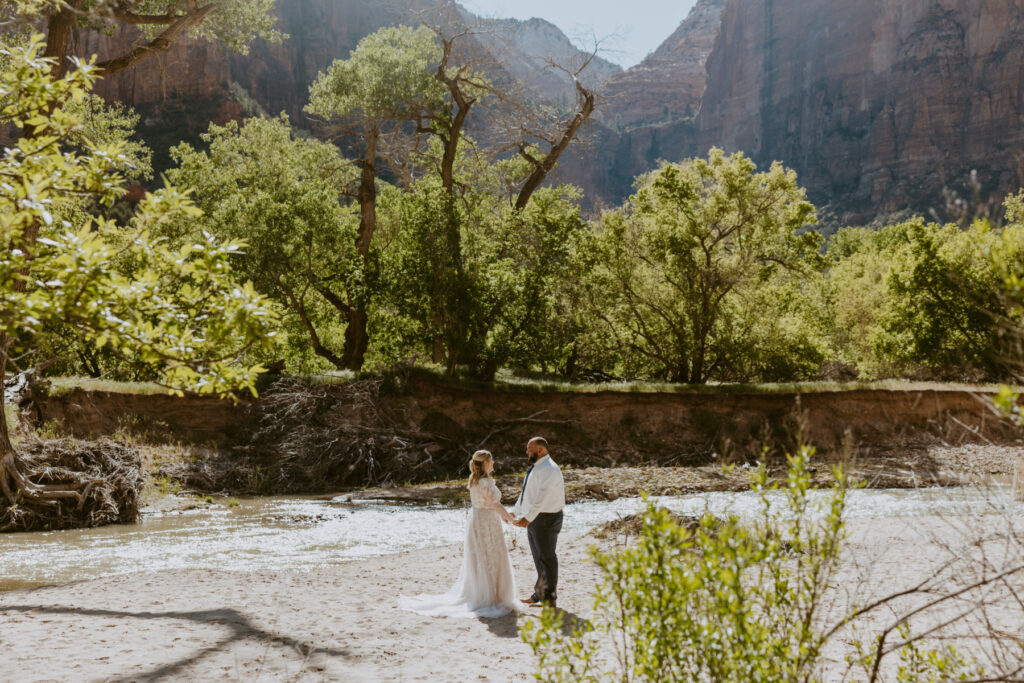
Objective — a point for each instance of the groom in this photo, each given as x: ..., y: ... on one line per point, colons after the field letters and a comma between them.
x: 539, y: 509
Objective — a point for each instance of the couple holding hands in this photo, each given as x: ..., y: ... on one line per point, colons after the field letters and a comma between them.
x: 486, y: 586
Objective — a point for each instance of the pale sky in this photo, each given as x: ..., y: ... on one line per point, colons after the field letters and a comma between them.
x: 631, y: 28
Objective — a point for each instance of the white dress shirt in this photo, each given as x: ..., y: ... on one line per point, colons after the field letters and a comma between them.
x: 545, y: 490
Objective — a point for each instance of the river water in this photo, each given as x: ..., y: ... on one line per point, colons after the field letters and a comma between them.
x: 301, y: 534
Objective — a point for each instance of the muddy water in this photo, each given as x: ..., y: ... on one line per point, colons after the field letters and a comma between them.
x: 302, y: 534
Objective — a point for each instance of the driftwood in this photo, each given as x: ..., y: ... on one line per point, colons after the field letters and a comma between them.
x: 65, y: 483
x: 312, y: 437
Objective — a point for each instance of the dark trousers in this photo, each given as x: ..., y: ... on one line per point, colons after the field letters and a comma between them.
x: 543, y: 535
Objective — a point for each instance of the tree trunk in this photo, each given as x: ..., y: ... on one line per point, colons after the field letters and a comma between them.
x: 5, y: 438
x: 16, y: 488
x: 357, y: 339
x: 59, y: 29
x: 356, y: 335
x: 541, y: 167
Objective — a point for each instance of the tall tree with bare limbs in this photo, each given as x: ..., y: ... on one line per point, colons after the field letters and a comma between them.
x: 384, y: 87
x: 233, y: 23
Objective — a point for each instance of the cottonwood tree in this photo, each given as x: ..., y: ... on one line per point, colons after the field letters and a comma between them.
x: 387, y: 82
x: 180, y: 311
x: 484, y: 197
x: 232, y: 23
x: 279, y: 192
x: 673, y: 259
x: 542, y: 133
x: 404, y: 98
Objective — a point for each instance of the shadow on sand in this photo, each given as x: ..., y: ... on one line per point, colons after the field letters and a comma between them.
x: 508, y: 625
x: 241, y: 629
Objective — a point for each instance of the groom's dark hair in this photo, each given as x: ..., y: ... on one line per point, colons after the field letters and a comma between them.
x: 540, y: 440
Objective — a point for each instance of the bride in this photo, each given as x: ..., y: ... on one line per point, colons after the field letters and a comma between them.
x: 486, y: 586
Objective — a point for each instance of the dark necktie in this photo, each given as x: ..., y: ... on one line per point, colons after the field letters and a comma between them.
x: 525, y: 479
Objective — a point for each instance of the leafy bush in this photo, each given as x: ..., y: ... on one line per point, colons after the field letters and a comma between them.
x: 732, y: 600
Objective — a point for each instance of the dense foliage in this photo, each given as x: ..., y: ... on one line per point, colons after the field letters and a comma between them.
x: 685, y: 265
x: 415, y: 244
x: 280, y: 193
x: 731, y: 600
x: 178, y: 311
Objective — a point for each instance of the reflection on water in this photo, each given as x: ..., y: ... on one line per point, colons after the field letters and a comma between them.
x: 280, y: 533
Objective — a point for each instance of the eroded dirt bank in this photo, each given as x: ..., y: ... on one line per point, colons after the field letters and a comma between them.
x: 325, y: 437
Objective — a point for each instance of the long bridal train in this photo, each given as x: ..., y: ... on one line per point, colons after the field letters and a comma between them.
x: 486, y: 586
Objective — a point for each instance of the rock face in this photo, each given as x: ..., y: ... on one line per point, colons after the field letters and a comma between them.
x: 181, y: 91
x: 525, y: 49
x: 647, y: 113
x: 668, y: 84
x: 878, y: 105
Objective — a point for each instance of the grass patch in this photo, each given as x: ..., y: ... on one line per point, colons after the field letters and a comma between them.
x: 547, y: 384
x: 506, y: 380
x: 64, y: 385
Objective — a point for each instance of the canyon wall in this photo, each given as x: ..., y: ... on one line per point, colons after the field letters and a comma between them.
x: 669, y: 83
x: 179, y: 92
x: 879, y: 105
x: 646, y: 114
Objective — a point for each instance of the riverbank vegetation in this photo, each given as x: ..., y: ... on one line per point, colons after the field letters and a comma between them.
x: 767, y: 599
x: 407, y: 240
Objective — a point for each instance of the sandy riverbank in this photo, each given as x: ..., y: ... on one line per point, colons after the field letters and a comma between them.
x: 339, y: 622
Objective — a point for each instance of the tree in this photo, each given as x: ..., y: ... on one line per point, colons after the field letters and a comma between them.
x: 675, y: 259
x: 480, y: 280
x: 856, y: 294
x: 1009, y: 261
x: 946, y: 307
x: 232, y: 23
x: 178, y: 310
x: 280, y: 193
x: 386, y: 82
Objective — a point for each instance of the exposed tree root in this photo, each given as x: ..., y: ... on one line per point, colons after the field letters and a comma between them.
x: 66, y: 483
x: 325, y: 437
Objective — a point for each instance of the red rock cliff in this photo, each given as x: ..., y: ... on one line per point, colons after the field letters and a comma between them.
x: 668, y: 84
x: 877, y: 104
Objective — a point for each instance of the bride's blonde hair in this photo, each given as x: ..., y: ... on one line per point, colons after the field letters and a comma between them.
x: 476, y: 466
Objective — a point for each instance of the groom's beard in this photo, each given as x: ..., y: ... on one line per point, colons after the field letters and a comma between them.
x: 534, y: 458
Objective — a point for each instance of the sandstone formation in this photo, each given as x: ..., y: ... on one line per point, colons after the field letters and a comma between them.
x: 668, y: 84
x: 528, y: 49
x: 646, y: 114
x: 878, y: 105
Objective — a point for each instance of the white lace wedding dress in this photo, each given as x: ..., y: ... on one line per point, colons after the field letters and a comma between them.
x: 486, y: 586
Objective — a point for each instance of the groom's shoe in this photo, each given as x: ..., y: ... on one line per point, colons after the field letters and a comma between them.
x: 532, y: 600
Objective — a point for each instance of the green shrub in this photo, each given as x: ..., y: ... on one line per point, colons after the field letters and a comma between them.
x: 732, y: 600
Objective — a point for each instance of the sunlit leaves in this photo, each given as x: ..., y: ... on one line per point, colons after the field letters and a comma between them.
x: 176, y: 310
x: 726, y: 600
x: 281, y: 194
x: 681, y: 263
x: 389, y: 76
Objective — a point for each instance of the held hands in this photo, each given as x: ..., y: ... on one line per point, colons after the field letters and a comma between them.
x: 521, y: 522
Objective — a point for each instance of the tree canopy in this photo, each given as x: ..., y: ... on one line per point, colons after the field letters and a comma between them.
x: 179, y: 311
x: 232, y: 23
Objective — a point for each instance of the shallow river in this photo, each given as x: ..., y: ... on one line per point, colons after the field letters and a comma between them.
x: 290, y: 533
